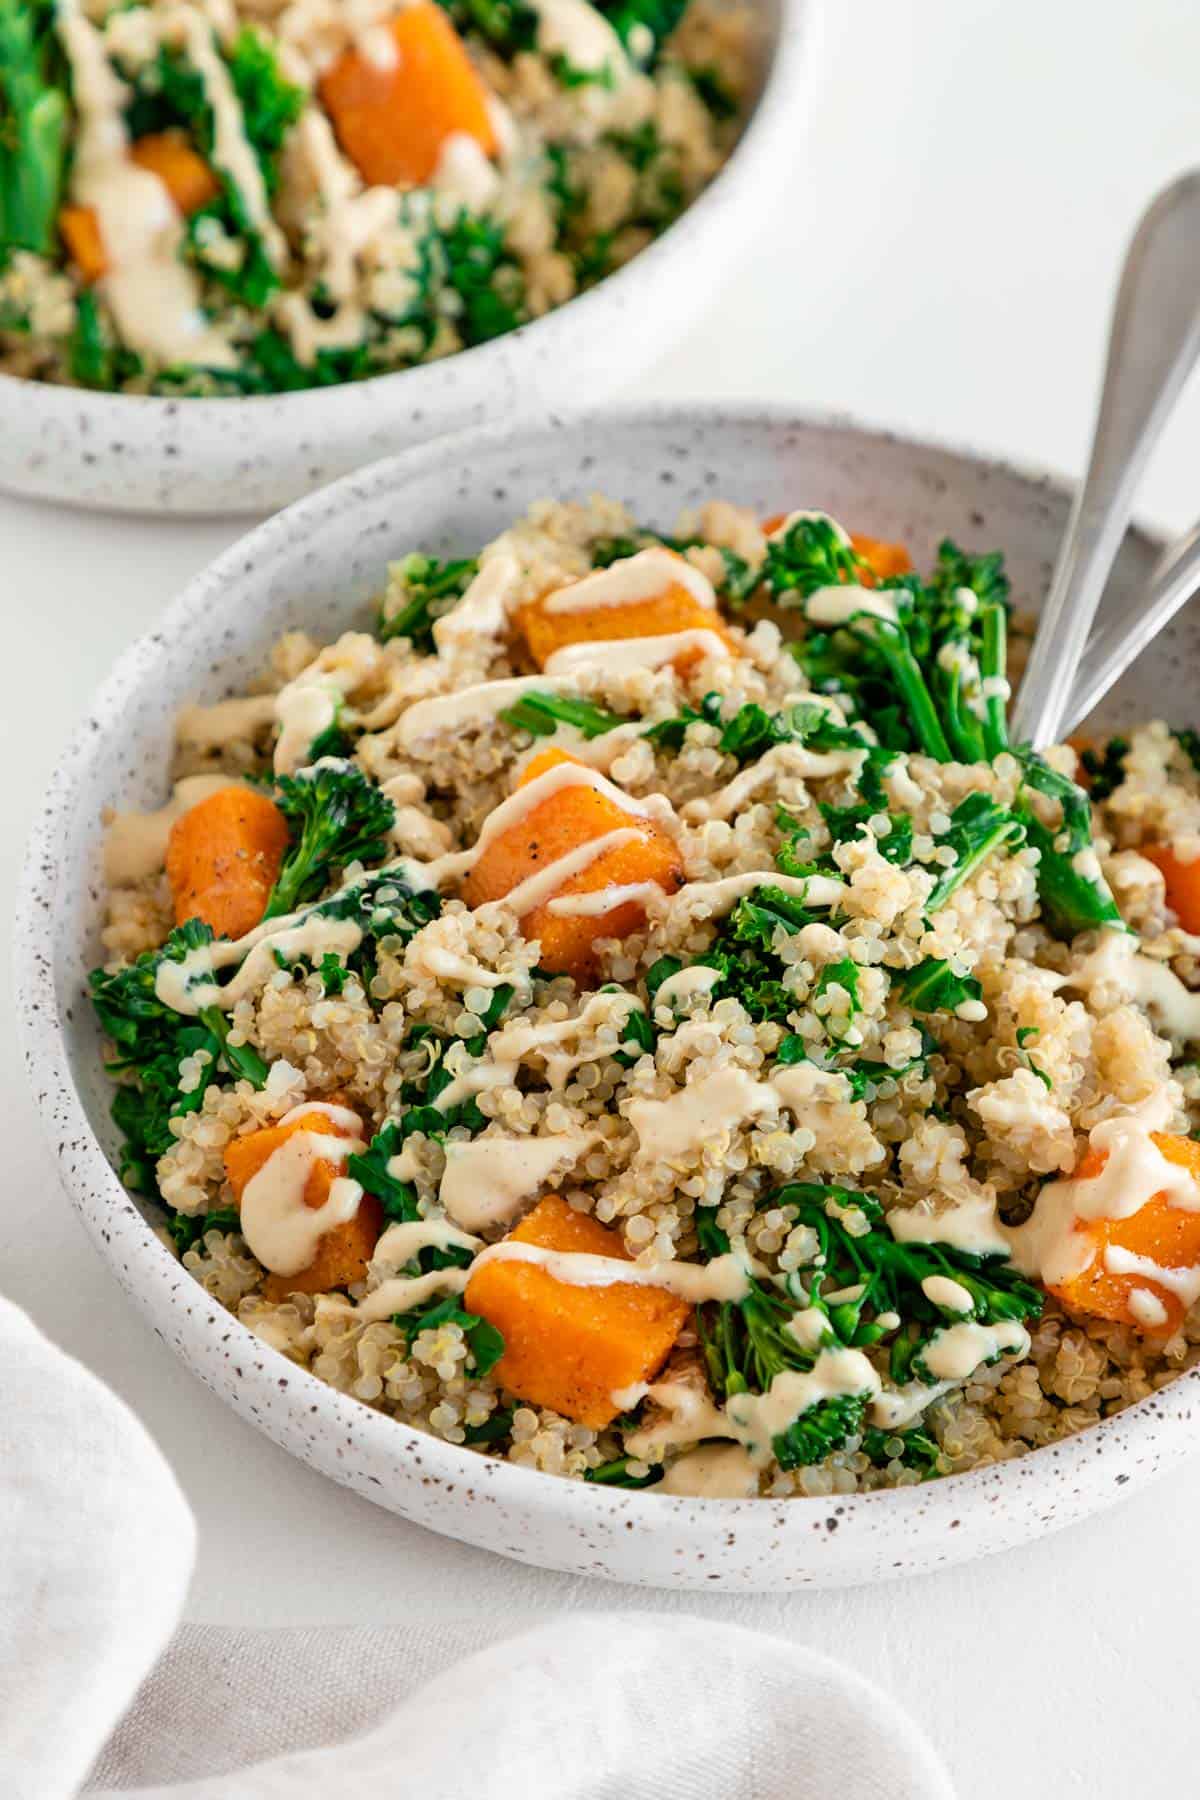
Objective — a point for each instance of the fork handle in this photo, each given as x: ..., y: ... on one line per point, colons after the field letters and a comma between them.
x: 1153, y: 344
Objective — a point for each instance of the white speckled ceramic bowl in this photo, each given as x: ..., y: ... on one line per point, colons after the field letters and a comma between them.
x: 315, y: 566
x: 135, y: 453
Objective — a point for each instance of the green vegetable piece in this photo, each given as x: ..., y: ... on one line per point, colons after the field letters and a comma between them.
x: 542, y: 714
x: 486, y: 1344
x: 934, y: 986
x: 433, y: 588
x: 978, y: 827
x: 34, y: 123
x: 337, y: 816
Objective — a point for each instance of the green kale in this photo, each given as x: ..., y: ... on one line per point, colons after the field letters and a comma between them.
x: 369, y: 1167
x: 934, y: 986
x: 151, y: 1042
x: 541, y: 715
x: 494, y: 1428
x: 709, y: 82
x: 485, y: 1343
x: 644, y: 26
x: 978, y: 826
x: 1074, y: 897
x: 917, y: 1450
x: 743, y: 951
x: 661, y: 971
x: 570, y: 75
x: 34, y: 126
x: 842, y: 974
x: 846, y: 823
x: 1105, y: 769
x: 432, y: 588
x: 486, y: 278
x: 616, y: 1474
x: 508, y: 25
x: 95, y: 360
x: 187, y: 1229
x: 751, y: 731
x: 605, y: 551
x: 336, y: 816
x: 668, y: 734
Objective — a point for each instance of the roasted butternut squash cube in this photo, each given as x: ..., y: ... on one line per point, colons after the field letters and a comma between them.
x: 80, y: 231
x: 223, y: 858
x: 182, y: 171
x: 342, y: 1252
x: 565, y: 821
x: 1164, y: 1235
x: 393, y: 116
x: 1181, y: 877
x: 674, y: 610
x: 565, y: 1346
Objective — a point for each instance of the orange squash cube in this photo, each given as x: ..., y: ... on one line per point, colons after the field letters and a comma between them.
x: 223, y: 858
x: 1164, y: 1234
x: 80, y: 232
x: 674, y: 609
x: 392, y: 119
x: 562, y: 822
x: 182, y: 171
x: 570, y: 1348
x: 343, y: 1252
x: 1182, y: 879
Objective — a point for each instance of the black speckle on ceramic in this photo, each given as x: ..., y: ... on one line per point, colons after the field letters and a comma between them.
x: 136, y: 453
x: 315, y: 567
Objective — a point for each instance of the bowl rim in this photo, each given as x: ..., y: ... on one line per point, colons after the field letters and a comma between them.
x: 1022, y: 1483
x: 788, y: 71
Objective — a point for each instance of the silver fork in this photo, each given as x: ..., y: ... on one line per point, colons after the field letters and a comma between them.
x: 1154, y: 341
x: 1120, y: 641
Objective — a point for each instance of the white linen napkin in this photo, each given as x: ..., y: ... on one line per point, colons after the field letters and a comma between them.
x: 98, y: 1546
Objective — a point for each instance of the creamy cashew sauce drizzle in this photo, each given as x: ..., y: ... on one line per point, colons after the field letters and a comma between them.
x: 631, y: 580
x: 135, y: 844
x: 622, y: 656
x: 489, y: 1179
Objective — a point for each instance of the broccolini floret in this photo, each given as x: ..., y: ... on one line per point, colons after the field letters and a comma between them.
x: 336, y: 816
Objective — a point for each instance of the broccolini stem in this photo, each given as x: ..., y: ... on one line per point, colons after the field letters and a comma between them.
x: 993, y: 663
x: 33, y: 136
x: 892, y: 642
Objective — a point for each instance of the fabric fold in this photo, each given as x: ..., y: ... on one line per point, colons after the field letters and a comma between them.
x: 99, y: 1546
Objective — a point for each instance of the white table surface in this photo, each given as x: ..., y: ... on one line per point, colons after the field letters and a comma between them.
x: 942, y: 260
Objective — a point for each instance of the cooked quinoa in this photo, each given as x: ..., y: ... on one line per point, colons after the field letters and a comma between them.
x: 224, y: 197
x: 828, y: 1111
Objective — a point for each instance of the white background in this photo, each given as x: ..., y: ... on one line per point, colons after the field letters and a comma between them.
x: 942, y: 259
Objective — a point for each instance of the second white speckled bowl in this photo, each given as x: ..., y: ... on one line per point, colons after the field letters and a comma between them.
x: 316, y: 566
x: 138, y: 453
